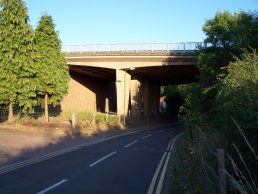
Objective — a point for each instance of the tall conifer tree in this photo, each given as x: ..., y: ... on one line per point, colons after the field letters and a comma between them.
x: 17, y: 70
x: 53, y: 74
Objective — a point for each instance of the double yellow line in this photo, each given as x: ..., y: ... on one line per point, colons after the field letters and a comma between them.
x: 161, y: 174
x: 28, y: 162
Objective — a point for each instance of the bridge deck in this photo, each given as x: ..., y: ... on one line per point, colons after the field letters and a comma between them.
x: 153, y: 62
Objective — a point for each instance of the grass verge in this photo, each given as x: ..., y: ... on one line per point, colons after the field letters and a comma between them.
x: 186, y: 171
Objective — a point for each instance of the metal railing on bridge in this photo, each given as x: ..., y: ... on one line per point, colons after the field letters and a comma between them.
x: 134, y: 47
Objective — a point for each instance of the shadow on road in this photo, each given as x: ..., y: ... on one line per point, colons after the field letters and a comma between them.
x: 18, y: 145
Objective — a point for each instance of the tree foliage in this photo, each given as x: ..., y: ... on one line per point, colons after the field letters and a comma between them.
x: 18, y: 71
x: 232, y: 31
x: 53, y: 74
x: 228, y: 35
x: 32, y: 66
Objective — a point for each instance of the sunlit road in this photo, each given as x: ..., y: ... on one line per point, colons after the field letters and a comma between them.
x: 132, y: 163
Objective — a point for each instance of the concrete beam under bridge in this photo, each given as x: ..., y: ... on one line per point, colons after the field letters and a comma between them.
x: 136, y: 60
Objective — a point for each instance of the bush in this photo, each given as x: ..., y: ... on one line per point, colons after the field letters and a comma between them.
x: 238, y: 99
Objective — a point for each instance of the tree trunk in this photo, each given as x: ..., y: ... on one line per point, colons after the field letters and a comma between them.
x: 46, y: 108
x: 10, y: 114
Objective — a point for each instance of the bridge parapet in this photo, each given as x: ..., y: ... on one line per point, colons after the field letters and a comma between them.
x: 134, y: 47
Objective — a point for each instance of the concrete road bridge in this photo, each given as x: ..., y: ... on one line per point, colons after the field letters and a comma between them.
x: 126, y: 78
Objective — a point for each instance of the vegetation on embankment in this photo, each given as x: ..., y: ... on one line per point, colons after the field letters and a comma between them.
x: 221, y: 111
x: 84, y: 123
x: 186, y: 172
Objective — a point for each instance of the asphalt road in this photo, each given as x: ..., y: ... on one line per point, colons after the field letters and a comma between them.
x: 132, y: 163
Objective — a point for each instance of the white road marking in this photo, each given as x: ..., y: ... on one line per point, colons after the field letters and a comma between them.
x: 31, y: 161
x: 130, y: 144
x: 105, y: 157
x: 146, y: 136
x: 53, y: 186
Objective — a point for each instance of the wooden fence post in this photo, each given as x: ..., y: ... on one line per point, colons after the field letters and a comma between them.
x: 221, y: 171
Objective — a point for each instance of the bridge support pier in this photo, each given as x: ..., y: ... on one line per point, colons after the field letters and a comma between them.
x: 135, y: 98
x: 155, y: 102
x: 150, y: 98
x: 140, y: 95
x: 123, y: 81
x: 144, y: 98
x: 147, y: 100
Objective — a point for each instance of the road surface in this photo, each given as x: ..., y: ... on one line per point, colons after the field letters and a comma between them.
x: 133, y: 163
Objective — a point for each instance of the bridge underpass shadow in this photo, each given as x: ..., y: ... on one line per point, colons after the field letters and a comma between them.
x: 180, y: 68
x: 91, y: 93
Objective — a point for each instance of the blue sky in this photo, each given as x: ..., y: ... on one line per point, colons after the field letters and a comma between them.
x: 132, y: 21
